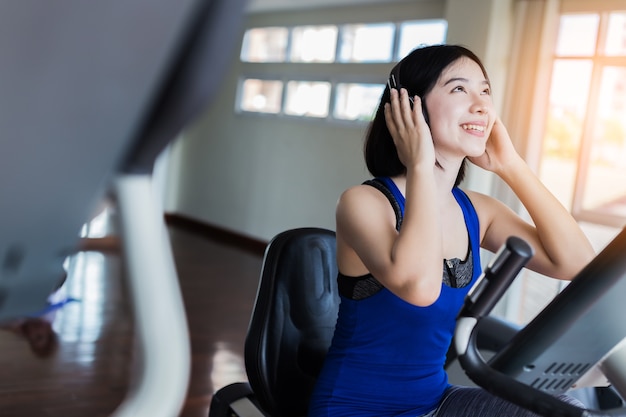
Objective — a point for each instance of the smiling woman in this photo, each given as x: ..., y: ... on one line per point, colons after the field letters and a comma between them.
x: 461, y: 86
x: 409, y: 241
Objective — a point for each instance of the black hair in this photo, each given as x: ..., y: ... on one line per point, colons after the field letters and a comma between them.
x: 418, y: 72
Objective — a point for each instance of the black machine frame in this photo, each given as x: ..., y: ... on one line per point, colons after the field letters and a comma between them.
x: 577, y: 340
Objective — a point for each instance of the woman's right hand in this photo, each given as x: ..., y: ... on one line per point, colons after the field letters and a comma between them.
x: 409, y: 130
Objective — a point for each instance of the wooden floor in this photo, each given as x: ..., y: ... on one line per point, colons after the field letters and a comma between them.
x: 89, y: 372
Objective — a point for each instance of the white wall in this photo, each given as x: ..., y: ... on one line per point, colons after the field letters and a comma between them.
x: 259, y: 175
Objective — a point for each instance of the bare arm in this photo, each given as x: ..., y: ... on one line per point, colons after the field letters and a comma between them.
x: 408, y: 262
x: 561, y: 248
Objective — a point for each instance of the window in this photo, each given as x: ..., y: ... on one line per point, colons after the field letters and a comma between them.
x: 616, y: 38
x: 420, y: 33
x: 307, y: 98
x: 582, y: 144
x: 357, y: 101
x: 265, y: 45
x: 367, y: 43
x: 318, y: 48
x: 313, y: 44
x: 262, y: 96
x: 584, y: 148
x: 577, y: 35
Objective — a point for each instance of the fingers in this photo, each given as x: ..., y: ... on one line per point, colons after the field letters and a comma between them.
x: 417, y: 110
x: 398, y: 112
x: 400, y: 102
x: 499, y: 135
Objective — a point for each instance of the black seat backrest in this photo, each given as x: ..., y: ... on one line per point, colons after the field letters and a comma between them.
x: 293, y: 319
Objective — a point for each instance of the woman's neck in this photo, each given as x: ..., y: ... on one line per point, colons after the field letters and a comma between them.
x: 444, y: 178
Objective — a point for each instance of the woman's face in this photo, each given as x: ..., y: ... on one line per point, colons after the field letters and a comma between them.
x: 461, y: 111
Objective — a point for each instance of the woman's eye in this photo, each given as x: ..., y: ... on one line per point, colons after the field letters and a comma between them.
x: 487, y: 91
x: 458, y: 88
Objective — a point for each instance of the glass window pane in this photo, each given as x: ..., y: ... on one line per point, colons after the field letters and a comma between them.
x: 421, y: 33
x: 306, y: 98
x: 577, y: 35
x: 264, y: 44
x: 616, y: 36
x: 313, y: 43
x: 566, y: 113
x: 357, y: 101
x: 263, y: 96
x: 367, y: 43
x: 605, y: 188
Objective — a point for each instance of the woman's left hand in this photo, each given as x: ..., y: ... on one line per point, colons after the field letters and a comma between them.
x: 499, y: 150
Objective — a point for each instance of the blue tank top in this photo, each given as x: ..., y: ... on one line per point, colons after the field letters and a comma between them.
x: 387, y: 356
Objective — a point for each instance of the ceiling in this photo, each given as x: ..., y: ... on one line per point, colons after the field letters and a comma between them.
x: 274, y: 5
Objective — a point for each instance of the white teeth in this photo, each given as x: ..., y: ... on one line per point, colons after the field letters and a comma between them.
x: 474, y: 127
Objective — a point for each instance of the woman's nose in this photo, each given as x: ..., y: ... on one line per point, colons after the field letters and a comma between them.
x: 481, y: 104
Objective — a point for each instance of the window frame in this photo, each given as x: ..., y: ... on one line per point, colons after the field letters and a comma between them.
x: 339, y: 72
x: 599, y: 62
x: 525, y: 112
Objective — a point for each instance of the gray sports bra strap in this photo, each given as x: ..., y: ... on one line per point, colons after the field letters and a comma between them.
x: 382, y: 187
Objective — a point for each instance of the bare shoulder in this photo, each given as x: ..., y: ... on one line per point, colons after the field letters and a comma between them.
x: 485, y: 205
x: 475, y: 196
x: 359, y: 192
x: 497, y: 220
x: 361, y: 200
x: 488, y: 209
x: 362, y: 213
x: 365, y: 224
